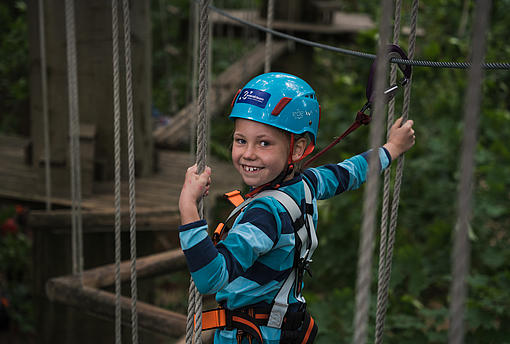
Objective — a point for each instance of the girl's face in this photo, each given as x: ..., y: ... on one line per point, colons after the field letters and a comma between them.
x: 259, y: 151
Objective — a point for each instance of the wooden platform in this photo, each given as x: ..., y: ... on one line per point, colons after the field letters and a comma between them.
x: 341, y: 22
x: 156, y: 196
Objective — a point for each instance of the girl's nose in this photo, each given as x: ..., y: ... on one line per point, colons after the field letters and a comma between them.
x: 249, y: 153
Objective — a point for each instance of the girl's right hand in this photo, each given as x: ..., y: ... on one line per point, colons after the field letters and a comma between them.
x: 195, y: 185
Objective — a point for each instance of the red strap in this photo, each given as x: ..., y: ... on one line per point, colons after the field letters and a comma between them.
x: 308, y: 331
x: 361, y: 118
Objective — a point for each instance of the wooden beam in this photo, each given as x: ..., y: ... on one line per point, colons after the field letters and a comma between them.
x: 68, y: 291
x: 90, y: 298
x: 162, y: 218
x: 220, y: 94
x: 153, y: 265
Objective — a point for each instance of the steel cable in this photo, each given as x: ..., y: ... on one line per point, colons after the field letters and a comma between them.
x: 417, y: 63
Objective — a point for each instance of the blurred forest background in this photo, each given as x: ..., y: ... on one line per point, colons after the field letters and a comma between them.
x: 419, y: 291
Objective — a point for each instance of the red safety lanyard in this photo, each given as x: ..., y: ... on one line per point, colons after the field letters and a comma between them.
x: 394, y: 51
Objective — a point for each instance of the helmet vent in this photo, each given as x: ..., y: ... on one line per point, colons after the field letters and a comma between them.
x: 281, y: 104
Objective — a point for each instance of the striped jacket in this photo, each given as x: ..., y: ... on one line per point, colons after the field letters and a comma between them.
x: 250, y: 265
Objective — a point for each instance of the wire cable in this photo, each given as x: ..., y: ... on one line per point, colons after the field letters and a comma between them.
x: 416, y: 63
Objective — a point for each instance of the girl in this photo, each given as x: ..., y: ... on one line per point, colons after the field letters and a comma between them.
x: 256, y: 268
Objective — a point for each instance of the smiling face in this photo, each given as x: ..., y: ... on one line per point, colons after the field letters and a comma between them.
x: 259, y: 151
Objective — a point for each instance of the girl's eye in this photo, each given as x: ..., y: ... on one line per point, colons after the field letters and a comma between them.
x: 240, y: 141
x: 264, y: 143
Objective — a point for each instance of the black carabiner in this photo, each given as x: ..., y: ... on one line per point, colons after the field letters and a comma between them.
x: 393, y: 51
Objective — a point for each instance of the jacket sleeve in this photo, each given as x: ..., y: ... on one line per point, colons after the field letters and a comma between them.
x: 333, y: 179
x: 253, y: 234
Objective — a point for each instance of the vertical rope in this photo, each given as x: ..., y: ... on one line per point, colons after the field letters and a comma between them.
x: 461, y: 248
x: 387, y: 180
x: 386, y: 251
x: 194, y: 78
x: 195, y: 299
x: 269, y: 37
x: 74, y: 131
x: 371, y: 190
x: 117, y: 172
x: 131, y: 168
x: 44, y: 96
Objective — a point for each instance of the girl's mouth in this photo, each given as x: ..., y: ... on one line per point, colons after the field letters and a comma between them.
x: 247, y: 168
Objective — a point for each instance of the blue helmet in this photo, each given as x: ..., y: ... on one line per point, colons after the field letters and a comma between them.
x: 280, y: 100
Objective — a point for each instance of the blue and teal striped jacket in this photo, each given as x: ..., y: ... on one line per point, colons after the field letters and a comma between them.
x: 250, y: 265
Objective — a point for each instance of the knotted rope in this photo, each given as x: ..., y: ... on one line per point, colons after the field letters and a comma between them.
x: 371, y: 191
x: 195, y: 299
x: 461, y: 247
x: 388, y: 236
x: 74, y: 141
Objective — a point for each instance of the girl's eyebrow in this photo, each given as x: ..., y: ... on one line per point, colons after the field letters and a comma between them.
x: 261, y: 136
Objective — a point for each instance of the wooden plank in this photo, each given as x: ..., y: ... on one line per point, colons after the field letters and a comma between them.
x: 221, y: 92
x: 342, y: 22
x: 88, y: 297
x: 92, y: 219
x: 148, y: 266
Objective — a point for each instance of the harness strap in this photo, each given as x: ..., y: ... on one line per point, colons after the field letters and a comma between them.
x: 298, y: 327
x: 306, y: 243
x: 234, y: 197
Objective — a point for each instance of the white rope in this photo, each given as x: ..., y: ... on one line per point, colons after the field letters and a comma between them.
x: 44, y: 96
x: 131, y: 168
x: 74, y: 133
x: 269, y: 36
x: 195, y: 299
x: 117, y: 171
x: 371, y: 191
x: 388, y: 235
x: 461, y: 248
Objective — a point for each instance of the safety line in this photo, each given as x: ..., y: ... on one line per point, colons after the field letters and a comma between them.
x: 416, y: 63
x: 44, y: 96
x: 460, y: 259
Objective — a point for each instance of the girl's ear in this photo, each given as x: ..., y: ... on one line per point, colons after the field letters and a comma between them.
x: 299, y: 148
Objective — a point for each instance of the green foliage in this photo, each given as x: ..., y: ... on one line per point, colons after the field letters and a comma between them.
x: 15, y: 263
x: 419, y: 291
x: 13, y: 66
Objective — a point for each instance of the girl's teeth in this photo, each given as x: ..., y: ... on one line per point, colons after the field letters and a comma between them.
x: 250, y: 169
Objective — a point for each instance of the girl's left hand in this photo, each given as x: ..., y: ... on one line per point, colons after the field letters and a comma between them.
x: 401, y: 138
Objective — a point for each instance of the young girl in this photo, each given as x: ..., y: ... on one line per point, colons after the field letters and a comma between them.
x: 256, y: 268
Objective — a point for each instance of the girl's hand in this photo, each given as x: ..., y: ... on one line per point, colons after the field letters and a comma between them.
x: 195, y: 187
x: 401, y: 138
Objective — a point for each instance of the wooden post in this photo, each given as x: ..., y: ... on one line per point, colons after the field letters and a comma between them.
x: 95, y: 74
